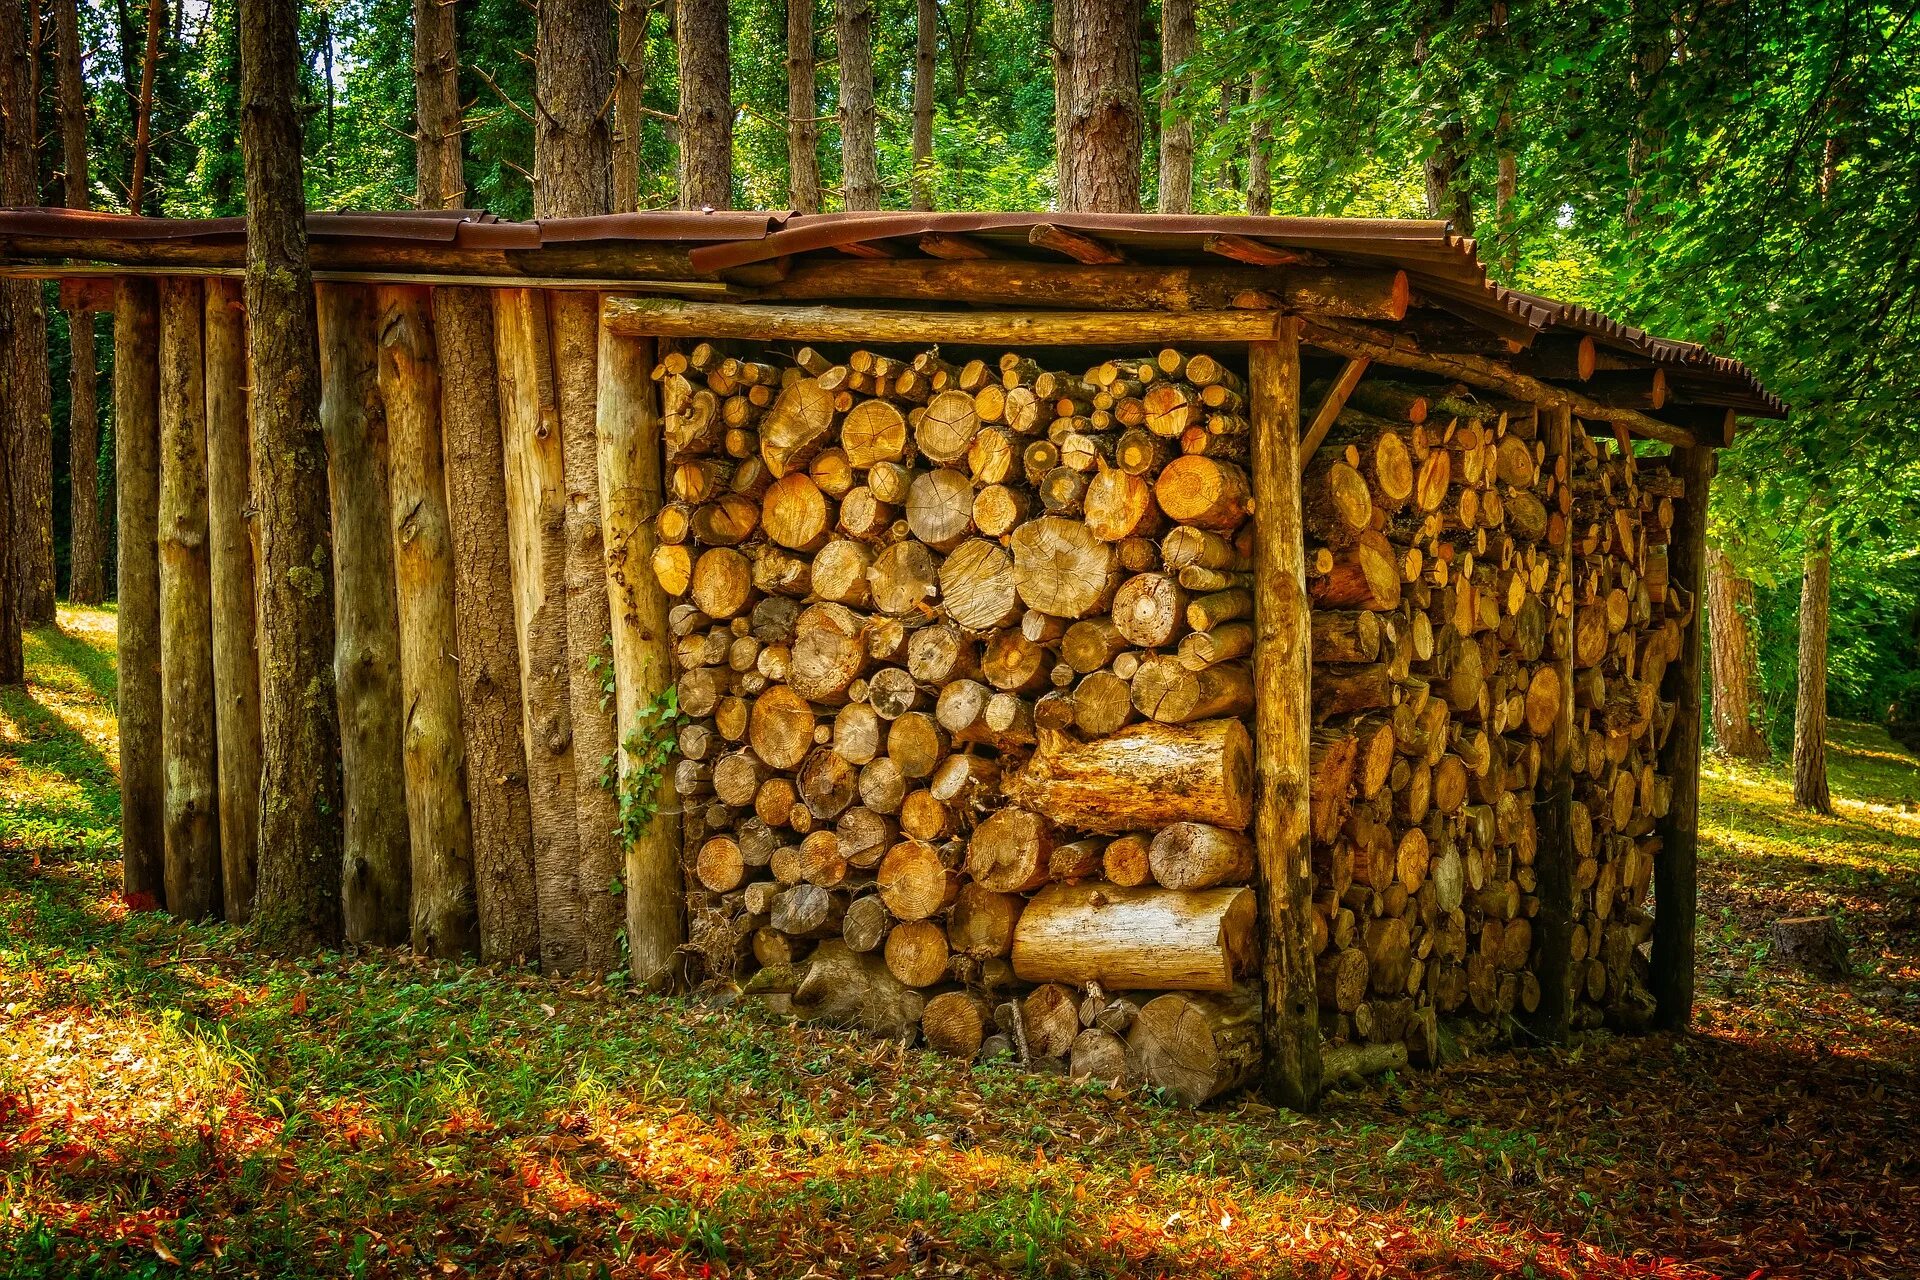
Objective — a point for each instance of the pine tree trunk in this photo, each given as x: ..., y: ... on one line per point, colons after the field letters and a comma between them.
x: 1810, y: 707
x: 1060, y: 57
x: 1177, y: 40
x: 298, y: 897
x: 629, y: 97
x: 803, y: 133
x: 143, y: 108
x: 925, y: 40
x: 573, y: 78
x: 87, y: 555
x: 27, y: 409
x: 490, y: 705
x: 1102, y: 144
x: 859, y: 165
x: 706, y: 104
x: 1259, y: 153
x: 12, y: 659
x: 1730, y: 644
x: 136, y: 438
x: 438, y: 180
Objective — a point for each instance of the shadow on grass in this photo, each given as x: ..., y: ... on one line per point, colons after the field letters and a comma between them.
x: 95, y: 664
x: 63, y: 792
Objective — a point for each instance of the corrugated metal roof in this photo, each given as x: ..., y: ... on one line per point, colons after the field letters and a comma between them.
x: 1443, y: 269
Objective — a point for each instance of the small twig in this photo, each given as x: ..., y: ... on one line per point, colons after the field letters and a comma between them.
x: 487, y: 80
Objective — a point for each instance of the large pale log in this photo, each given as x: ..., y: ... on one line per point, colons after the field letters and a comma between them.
x: 192, y: 822
x: 434, y: 752
x: 236, y: 662
x: 1060, y: 567
x: 1194, y: 855
x: 136, y: 421
x: 1676, y: 889
x: 1136, y: 939
x: 665, y: 317
x: 1146, y: 775
x: 376, y: 890
x: 844, y: 988
x: 536, y: 531
x: 1283, y: 680
x: 1197, y: 1047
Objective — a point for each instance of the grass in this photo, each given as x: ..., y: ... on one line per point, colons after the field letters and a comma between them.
x: 172, y: 1100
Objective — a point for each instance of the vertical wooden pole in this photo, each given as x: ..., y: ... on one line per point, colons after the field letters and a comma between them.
x: 1283, y: 681
x: 1553, y: 810
x: 376, y: 882
x: 186, y: 612
x: 630, y: 490
x: 1675, y: 890
x: 236, y: 663
x: 433, y: 748
x: 575, y: 321
x: 136, y: 432
x: 536, y: 534
x: 489, y: 669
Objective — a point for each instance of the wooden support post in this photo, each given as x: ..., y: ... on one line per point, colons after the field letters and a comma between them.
x: 186, y: 612
x: 1283, y: 680
x: 630, y: 491
x: 1553, y: 857
x: 666, y: 317
x: 433, y: 748
x: 1675, y: 889
x: 536, y: 534
x: 236, y: 661
x: 491, y: 713
x: 136, y: 432
x: 376, y: 882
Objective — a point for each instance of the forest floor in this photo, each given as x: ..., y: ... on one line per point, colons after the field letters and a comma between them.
x: 171, y: 1099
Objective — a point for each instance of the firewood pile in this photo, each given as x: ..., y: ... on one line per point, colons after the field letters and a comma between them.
x: 1435, y: 581
x: 964, y: 652
x: 1628, y: 625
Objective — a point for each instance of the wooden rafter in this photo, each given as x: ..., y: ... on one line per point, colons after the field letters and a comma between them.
x: 1330, y: 406
x: 1075, y: 245
x: 1259, y: 253
x: 947, y: 244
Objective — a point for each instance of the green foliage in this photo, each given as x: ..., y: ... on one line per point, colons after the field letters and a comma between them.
x: 648, y: 750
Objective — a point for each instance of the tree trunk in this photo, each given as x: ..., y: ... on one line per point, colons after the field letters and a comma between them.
x: 1259, y: 152
x: 1810, y: 707
x: 489, y: 667
x: 186, y: 612
x: 803, y: 132
x: 927, y: 19
x: 573, y: 78
x: 27, y: 410
x: 367, y: 655
x: 298, y: 897
x: 1177, y: 40
x: 1101, y: 148
x: 136, y: 435
x: 859, y: 165
x: 236, y: 668
x: 143, y: 108
x: 1060, y: 57
x: 87, y: 554
x: 629, y: 100
x: 1729, y: 598
x: 12, y: 658
x: 706, y: 104
x: 438, y: 180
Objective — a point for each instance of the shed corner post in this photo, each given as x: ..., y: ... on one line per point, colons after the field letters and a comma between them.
x: 1283, y: 680
x: 1553, y: 812
x: 1675, y: 883
x: 629, y: 434
x: 136, y: 435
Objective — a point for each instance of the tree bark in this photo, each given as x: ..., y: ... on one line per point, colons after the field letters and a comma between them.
x: 87, y: 553
x: 27, y: 409
x: 1060, y: 58
x: 1101, y: 147
x: 143, y: 108
x: 186, y: 612
x: 1177, y: 41
x: 437, y: 177
x: 236, y: 668
x: 136, y: 434
x: 12, y: 657
x: 1810, y: 705
x: 706, y: 104
x: 489, y: 667
x: 573, y: 78
x: 803, y: 131
x: 859, y: 164
x: 297, y: 900
x: 367, y: 653
x: 629, y: 100
x: 1259, y: 152
x: 1730, y: 643
x: 925, y: 33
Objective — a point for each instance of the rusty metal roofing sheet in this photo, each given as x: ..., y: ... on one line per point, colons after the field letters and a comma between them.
x: 1443, y: 269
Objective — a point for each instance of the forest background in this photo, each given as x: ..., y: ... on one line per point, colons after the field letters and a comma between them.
x: 1745, y: 175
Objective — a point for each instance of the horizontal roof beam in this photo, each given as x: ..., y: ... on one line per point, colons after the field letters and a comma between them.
x: 670, y: 318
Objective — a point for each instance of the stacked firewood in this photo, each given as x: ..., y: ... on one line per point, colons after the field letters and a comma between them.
x: 1435, y: 578
x: 1628, y: 624
x: 964, y: 652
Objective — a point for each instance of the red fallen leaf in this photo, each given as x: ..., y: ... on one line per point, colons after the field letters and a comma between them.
x: 299, y: 1003
x: 140, y: 900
